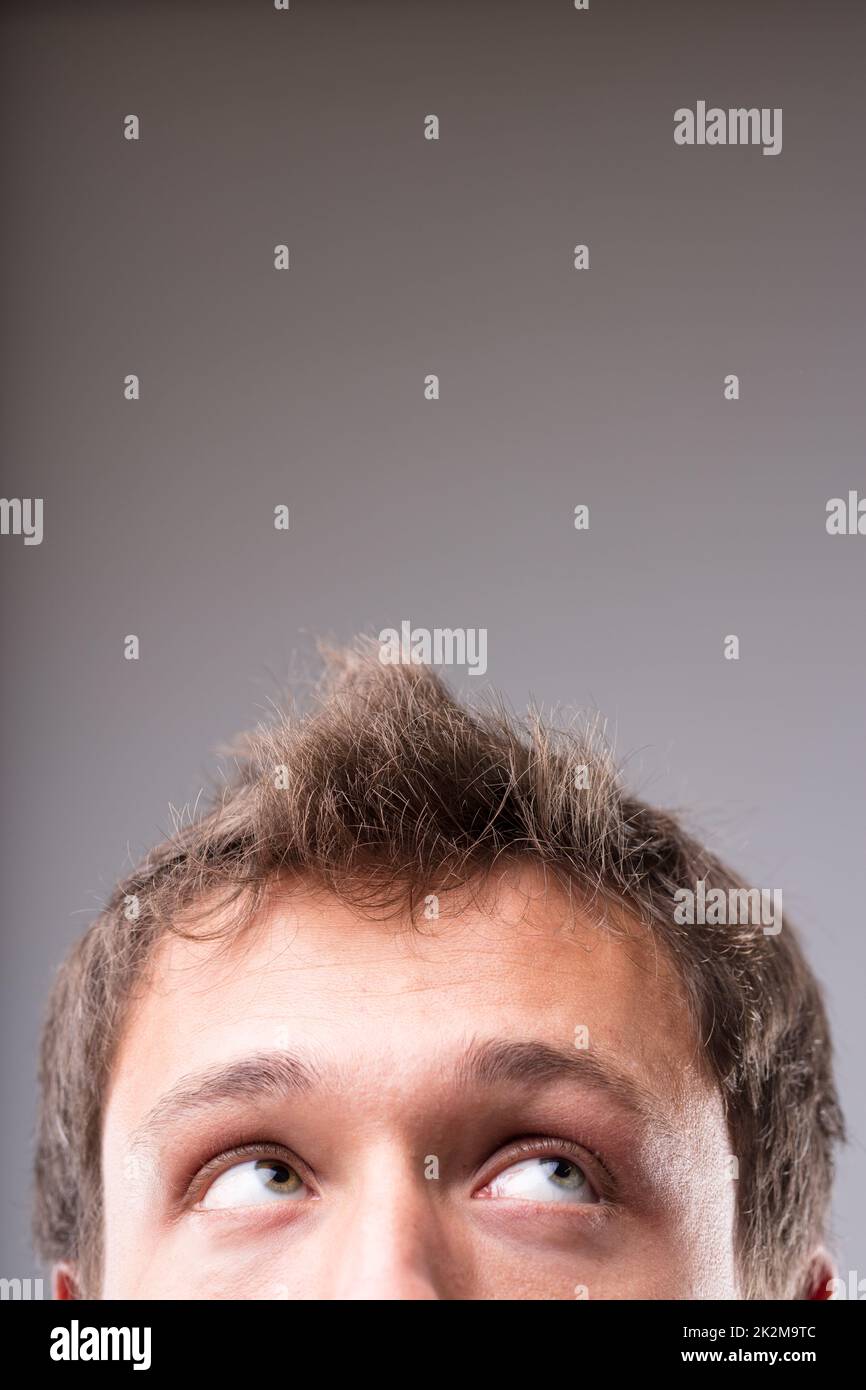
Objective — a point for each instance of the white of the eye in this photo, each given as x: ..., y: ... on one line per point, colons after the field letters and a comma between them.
x: 244, y: 1185
x: 532, y: 1180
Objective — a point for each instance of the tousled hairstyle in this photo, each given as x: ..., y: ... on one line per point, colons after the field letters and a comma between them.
x: 389, y: 789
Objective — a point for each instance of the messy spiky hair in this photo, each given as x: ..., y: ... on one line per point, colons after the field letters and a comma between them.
x: 388, y: 789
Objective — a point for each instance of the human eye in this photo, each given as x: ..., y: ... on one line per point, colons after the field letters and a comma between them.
x: 249, y: 1177
x: 553, y: 1173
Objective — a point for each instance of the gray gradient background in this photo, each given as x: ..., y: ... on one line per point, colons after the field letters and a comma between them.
x: 306, y: 387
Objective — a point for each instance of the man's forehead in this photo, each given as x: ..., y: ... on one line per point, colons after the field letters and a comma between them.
x: 313, y: 971
x: 520, y: 949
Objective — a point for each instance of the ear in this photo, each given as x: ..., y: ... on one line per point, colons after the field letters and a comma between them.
x: 64, y: 1281
x: 820, y: 1274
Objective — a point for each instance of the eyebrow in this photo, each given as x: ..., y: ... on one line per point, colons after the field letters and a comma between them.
x: 485, y: 1063
x: 257, y: 1077
x: 538, y: 1064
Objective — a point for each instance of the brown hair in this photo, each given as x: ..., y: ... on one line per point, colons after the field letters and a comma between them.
x: 389, y: 789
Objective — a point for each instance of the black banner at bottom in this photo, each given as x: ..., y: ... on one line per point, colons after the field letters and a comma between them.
x: 177, y: 1337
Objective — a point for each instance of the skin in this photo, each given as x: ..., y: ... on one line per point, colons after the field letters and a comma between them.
x: 393, y: 1173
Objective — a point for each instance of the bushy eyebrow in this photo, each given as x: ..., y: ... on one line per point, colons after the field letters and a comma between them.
x: 256, y: 1077
x: 486, y: 1063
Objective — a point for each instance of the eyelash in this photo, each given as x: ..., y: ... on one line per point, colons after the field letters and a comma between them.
x: 525, y: 1147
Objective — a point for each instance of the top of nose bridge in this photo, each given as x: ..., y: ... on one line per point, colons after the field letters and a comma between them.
x: 389, y: 1232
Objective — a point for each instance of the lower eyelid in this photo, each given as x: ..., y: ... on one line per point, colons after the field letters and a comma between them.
x: 267, y: 1216
x: 555, y: 1220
